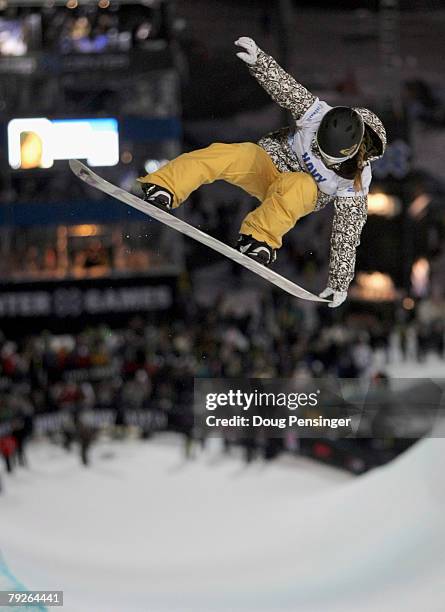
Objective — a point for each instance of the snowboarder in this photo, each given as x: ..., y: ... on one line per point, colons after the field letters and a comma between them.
x: 294, y: 171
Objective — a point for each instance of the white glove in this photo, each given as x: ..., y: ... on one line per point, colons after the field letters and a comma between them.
x: 338, y: 297
x: 251, y: 50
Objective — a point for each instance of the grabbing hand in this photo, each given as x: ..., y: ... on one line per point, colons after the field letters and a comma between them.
x: 250, y: 53
x: 338, y: 297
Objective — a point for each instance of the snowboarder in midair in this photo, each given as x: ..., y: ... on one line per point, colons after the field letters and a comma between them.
x: 324, y: 157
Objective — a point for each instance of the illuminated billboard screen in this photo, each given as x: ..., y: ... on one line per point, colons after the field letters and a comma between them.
x: 39, y: 142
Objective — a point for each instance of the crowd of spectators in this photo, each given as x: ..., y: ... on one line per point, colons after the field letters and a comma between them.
x: 149, y: 366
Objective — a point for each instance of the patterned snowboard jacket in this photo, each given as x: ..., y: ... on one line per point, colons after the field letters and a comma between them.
x: 350, y: 212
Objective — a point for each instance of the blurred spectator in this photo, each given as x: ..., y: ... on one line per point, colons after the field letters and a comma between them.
x: 8, y: 446
x: 85, y: 433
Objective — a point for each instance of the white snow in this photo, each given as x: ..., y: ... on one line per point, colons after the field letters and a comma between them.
x: 432, y: 368
x: 143, y: 530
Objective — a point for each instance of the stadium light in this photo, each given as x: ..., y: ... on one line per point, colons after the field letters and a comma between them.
x: 374, y: 287
x: 408, y: 303
x: 383, y: 205
x: 84, y: 230
x: 419, y: 205
x: 420, y: 276
x: 151, y: 165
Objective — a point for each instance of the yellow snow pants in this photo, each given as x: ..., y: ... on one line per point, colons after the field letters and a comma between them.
x: 285, y: 196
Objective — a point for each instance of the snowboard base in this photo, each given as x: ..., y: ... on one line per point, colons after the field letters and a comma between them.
x: 94, y: 180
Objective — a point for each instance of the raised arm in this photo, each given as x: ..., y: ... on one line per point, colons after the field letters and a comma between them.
x: 280, y: 85
x: 349, y: 219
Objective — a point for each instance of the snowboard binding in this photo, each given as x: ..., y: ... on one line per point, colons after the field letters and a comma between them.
x: 260, y: 251
x: 158, y: 196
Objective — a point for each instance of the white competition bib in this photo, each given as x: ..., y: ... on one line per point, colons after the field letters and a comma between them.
x: 328, y: 182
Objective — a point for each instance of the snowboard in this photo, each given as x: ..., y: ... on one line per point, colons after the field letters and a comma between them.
x: 167, y: 218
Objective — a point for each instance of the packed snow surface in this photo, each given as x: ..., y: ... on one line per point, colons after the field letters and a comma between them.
x: 144, y: 530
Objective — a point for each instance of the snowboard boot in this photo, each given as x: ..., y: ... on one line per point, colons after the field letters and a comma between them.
x: 260, y: 251
x: 159, y: 196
